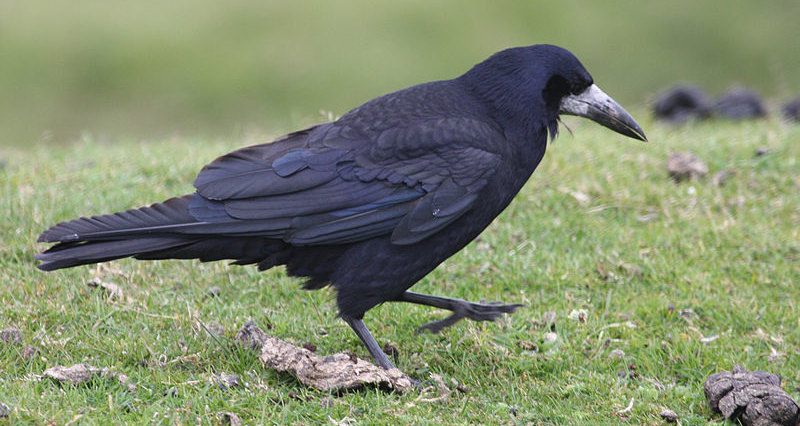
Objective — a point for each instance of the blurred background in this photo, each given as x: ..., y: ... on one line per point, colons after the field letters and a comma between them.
x: 205, y: 68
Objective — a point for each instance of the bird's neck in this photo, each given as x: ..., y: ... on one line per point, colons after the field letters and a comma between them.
x: 522, y: 117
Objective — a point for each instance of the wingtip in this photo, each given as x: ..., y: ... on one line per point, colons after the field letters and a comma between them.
x: 45, y: 236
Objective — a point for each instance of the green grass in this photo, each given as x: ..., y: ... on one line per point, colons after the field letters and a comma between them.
x: 730, y: 254
x: 203, y: 67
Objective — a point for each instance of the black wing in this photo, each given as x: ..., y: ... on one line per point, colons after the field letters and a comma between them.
x: 332, y: 184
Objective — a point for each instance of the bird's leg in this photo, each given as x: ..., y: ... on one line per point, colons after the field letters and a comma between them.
x: 378, y: 355
x: 374, y: 349
x: 461, y: 309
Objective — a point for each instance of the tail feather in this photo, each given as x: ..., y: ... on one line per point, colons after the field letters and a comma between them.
x: 161, y: 231
x: 102, y: 251
x: 172, y: 212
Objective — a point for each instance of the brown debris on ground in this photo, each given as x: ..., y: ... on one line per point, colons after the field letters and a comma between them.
x: 228, y: 418
x: 752, y: 397
x: 29, y: 352
x: 337, y: 372
x: 669, y: 416
x: 226, y: 381
x: 82, y: 373
x: 390, y: 350
x: 11, y: 336
x: 683, y: 166
x: 114, y: 291
x: 251, y: 336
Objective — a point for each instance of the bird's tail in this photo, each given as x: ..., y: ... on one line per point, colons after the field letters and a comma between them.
x: 161, y: 231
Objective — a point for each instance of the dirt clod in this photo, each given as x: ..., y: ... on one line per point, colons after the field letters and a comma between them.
x: 226, y: 381
x: 29, y: 352
x: 616, y: 354
x: 580, y: 315
x: 76, y: 374
x: 391, y: 350
x: 312, y: 347
x: 337, y: 372
x: 669, y: 416
x: 251, y: 336
x: 213, y: 291
x: 790, y: 110
x: 228, y: 418
x: 11, y: 336
x: 114, y: 291
x: 682, y: 103
x: 459, y: 387
x: 82, y: 373
x: 740, y: 104
x: 683, y: 166
x: 124, y: 381
x: 527, y: 345
x: 751, y: 397
x: 629, y: 373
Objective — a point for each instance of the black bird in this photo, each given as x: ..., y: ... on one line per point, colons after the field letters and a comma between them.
x: 371, y: 202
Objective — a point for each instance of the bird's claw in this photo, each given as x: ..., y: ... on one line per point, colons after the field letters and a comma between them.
x: 474, y: 311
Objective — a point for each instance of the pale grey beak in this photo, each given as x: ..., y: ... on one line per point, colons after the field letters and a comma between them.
x: 595, y: 105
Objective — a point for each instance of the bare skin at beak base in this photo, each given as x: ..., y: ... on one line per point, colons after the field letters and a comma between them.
x: 595, y: 105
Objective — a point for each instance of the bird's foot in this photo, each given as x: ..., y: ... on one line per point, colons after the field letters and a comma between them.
x: 470, y: 310
x: 416, y: 384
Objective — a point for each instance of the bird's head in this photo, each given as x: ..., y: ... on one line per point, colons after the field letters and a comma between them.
x: 529, y: 87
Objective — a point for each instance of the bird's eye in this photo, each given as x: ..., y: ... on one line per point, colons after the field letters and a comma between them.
x: 557, y: 87
x: 580, y: 86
